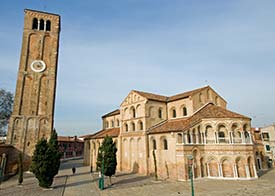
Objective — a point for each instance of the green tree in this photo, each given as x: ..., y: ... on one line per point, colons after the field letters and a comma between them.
x: 20, y: 168
x: 6, y: 101
x: 107, y: 151
x: 46, y: 161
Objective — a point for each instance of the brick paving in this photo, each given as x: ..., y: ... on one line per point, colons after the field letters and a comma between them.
x: 124, y: 184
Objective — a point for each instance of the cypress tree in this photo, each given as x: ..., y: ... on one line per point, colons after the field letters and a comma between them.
x: 109, y: 149
x: 46, y: 161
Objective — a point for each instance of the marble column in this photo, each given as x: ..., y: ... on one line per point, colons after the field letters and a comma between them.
x: 191, y: 138
x: 247, y: 171
x: 208, y: 170
x: 204, y: 137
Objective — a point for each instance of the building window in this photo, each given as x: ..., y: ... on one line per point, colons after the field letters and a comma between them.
x: 165, y: 144
x: 133, y: 111
x: 117, y: 123
x: 174, y: 113
x: 48, y: 25
x: 221, y: 136
x: 133, y: 126
x: 41, y: 25
x: 107, y: 124
x: 267, y: 148
x: 184, y: 111
x: 179, y: 138
x: 112, y: 122
x: 126, y: 127
x: 140, y: 125
x: 35, y: 23
x: 265, y: 136
x: 154, y: 144
x: 160, y: 113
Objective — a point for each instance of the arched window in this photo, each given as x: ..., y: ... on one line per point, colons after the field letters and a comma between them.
x: 140, y: 125
x: 179, y: 137
x: 112, y: 123
x: 184, y: 111
x: 117, y: 122
x: 221, y: 136
x: 165, y: 144
x: 48, y: 25
x: 125, y: 127
x: 154, y: 144
x: 41, y: 25
x: 160, y: 113
x: 174, y: 113
x: 133, y: 126
x: 107, y: 124
x: 133, y: 112
x: 35, y: 23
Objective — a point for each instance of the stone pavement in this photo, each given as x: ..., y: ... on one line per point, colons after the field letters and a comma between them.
x: 124, y: 184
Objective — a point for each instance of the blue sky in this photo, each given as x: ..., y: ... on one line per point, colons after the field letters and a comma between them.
x: 108, y: 48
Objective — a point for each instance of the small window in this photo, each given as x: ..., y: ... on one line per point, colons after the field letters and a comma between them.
x: 133, y: 127
x: 154, y: 144
x: 184, y: 111
x: 265, y: 136
x: 35, y: 23
x: 112, y: 122
x: 117, y: 123
x: 126, y: 127
x: 41, y: 25
x: 160, y: 113
x: 221, y: 134
x: 48, y: 25
x: 107, y: 124
x: 174, y: 113
x: 165, y: 144
x: 180, y: 138
x: 267, y: 147
x: 140, y: 125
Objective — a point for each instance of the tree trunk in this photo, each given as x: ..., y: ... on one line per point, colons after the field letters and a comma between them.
x: 155, y: 164
x: 110, y: 180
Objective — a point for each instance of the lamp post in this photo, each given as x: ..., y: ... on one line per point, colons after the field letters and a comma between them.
x: 190, y: 163
x: 101, y: 180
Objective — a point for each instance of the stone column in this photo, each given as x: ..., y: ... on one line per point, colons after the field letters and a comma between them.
x: 242, y: 135
x: 197, y: 138
x: 250, y: 138
x: 235, y: 171
x: 255, y: 171
x: 232, y: 136
x: 208, y: 170
x: 204, y: 137
x: 247, y: 171
x: 220, y: 170
x: 186, y: 138
x: 191, y: 138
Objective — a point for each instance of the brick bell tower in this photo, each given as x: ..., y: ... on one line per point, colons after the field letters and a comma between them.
x: 33, y: 109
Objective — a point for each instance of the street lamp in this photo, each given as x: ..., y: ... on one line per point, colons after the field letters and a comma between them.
x: 190, y: 163
x: 101, y: 179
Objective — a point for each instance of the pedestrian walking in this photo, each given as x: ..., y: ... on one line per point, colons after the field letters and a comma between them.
x: 73, y: 170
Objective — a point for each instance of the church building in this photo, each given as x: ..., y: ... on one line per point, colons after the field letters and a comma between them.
x: 191, y: 127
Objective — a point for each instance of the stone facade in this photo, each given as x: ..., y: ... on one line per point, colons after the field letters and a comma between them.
x: 33, y: 109
x: 194, y: 123
x: 268, y: 137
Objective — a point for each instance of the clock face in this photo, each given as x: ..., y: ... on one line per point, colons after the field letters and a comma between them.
x: 38, y: 66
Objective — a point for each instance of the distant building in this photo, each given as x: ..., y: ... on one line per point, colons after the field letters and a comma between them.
x: 268, y: 137
x: 70, y: 146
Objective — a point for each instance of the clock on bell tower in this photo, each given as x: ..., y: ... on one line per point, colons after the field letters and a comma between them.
x: 33, y: 110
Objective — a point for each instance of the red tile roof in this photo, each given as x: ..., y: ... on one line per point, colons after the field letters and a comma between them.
x: 68, y: 139
x: 208, y: 111
x: 186, y: 94
x: 115, y: 112
x: 114, y: 132
x: 152, y: 96
x: 162, y: 98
